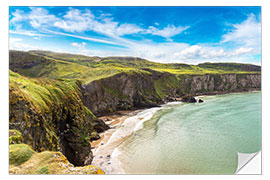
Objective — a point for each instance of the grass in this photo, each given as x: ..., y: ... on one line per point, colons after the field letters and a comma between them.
x: 161, y: 85
x: 43, y: 93
x: 19, y: 153
x: 43, y: 170
x: 15, y: 136
x: 23, y: 160
x: 87, y: 69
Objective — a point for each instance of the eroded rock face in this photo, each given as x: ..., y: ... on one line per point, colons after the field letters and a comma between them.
x: 220, y: 83
x: 122, y: 91
x: 125, y: 91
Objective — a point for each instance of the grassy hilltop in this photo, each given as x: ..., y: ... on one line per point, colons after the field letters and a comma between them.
x: 87, y: 69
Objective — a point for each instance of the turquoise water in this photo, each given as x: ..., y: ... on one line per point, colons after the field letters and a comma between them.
x: 201, y: 138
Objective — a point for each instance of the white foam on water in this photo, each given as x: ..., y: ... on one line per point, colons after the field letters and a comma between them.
x: 116, y: 162
x: 144, y: 116
x: 130, y: 126
x: 171, y: 103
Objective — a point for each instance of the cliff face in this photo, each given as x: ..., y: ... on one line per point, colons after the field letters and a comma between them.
x: 219, y: 83
x: 51, y: 116
x: 124, y: 91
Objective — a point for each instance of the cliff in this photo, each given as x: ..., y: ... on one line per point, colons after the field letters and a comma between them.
x: 218, y: 83
x: 126, y: 91
x: 120, y: 92
x: 51, y: 116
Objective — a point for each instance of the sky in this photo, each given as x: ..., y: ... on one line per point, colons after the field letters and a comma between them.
x: 161, y: 34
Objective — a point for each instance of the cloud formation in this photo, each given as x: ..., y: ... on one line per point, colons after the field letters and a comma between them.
x: 247, y: 33
x: 76, y: 20
x: 18, y: 44
x: 166, y: 32
x: 241, y: 42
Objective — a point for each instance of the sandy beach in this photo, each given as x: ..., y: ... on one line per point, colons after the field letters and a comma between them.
x: 104, y: 147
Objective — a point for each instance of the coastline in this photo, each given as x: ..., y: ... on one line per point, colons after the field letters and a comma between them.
x: 105, y: 149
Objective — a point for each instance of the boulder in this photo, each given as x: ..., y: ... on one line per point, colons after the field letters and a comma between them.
x: 189, y: 99
x: 200, y: 101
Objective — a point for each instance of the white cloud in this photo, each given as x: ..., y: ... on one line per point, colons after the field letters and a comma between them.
x: 204, y: 52
x: 18, y: 15
x: 166, y: 32
x: 101, y: 40
x: 78, y: 21
x: 247, y: 33
x: 171, y: 52
x: 78, y: 45
x: 40, y: 16
x: 128, y: 29
x: 156, y: 51
x: 25, y: 32
x: 190, y: 52
x: 242, y: 50
x: 14, y: 40
x: 36, y: 17
x: 17, y: 44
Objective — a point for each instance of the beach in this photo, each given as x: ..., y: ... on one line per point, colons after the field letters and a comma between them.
x: 104, y: 147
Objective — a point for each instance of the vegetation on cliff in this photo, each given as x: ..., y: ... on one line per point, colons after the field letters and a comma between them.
x: 51, y: 116
x: 24, y: 160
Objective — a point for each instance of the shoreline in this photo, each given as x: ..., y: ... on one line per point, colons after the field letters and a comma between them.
x: 105, y: 149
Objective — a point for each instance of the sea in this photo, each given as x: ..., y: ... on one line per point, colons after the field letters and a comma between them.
x: 190, y: 138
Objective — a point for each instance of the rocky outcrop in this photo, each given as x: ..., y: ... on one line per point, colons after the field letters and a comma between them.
x: 189, y: 99
x: 200, y: 101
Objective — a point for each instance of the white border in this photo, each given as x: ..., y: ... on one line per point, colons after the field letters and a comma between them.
x: 136, y: 2
x: 265, y: 76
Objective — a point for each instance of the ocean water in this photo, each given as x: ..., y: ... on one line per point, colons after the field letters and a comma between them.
x: 201, y: 138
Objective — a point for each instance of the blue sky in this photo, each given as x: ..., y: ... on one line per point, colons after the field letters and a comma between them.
x: 161, y: 34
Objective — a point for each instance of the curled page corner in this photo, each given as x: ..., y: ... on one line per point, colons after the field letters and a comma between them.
x: 245, y: 159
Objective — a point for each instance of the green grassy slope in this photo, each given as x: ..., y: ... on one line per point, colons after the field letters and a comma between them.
x: 70, y: 66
